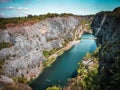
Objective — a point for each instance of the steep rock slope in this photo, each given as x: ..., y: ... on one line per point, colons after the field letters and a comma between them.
x: 24, y: 53
x: 106, y: 27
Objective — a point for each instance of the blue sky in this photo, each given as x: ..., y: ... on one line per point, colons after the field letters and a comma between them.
x: 15, y: 8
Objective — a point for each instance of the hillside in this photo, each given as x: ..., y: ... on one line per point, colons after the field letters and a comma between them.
x: 26, y: 48
x: 100, y: 70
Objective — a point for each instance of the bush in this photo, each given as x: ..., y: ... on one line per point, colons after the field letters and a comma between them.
x: 5, y: 45
x: 1, y: 65
x: 87, y: 78
x: 88, y: 56
x: 48, y: 53
x: 54, y: 88
x: 20, y: 80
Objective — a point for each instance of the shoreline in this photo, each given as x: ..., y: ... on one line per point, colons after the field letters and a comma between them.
x: 52, y: 58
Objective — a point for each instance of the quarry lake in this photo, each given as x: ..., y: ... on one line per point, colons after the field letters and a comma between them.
x: 66, y: 65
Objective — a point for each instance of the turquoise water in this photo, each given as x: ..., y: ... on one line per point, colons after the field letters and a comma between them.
x: 66, y: 65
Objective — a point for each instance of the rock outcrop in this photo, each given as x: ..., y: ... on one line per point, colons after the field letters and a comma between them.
x: 7, y: 83
x: 106, y: 27
x: 25, y: 54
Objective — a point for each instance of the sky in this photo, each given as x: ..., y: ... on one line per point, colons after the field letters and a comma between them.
x: 16, y: 8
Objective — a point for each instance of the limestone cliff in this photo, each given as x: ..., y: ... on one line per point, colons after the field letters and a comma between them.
x: 24, y: 55
x: 106, y: 27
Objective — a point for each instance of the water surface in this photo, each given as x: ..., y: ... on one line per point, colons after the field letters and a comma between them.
x: 66, y: 65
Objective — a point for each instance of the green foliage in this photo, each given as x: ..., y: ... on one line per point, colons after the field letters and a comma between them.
x: 115, y: 13
x: 48, y: 53
x: 88, y: 55
x: 19, y: 20
x: 29, y: 16
x: 54, y: 88
x: 44, y: 63
x: 109, y: 70
x: 117, y: 9
x: 20, y: 80
x: 87, y: 78
x: 89, y: 27
x: 5, y: 45
x: 96, y: 53
x: 67, y: 40
x: 1, y: 65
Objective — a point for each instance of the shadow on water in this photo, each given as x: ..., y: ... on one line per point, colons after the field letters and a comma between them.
x: 74, y: 74
x: 65, y: 65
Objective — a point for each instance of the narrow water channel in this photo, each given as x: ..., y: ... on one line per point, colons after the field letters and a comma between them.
x: 66, y: 65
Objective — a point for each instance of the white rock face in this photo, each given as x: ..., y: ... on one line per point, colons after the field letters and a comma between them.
x: 25, y: 56
x: 5, y: 79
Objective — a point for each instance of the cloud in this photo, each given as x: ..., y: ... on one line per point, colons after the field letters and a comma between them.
x: 26, y: 13
x: 2, y: 15
x: 5, y: 1
x: 13, y: 8
x: 21, y: 8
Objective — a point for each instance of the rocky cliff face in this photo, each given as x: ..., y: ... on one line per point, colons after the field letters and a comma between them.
x: 106, y: 27
x: 25, y: 54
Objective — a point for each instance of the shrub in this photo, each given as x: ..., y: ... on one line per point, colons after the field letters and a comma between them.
x: 12, y: 87
x: 54, y: 88
x: 48, y: 53
x: 87, y: 78
x: 20, y: 80
x: 88, y: 56
x: 5, y: 45
x: 1, y: 65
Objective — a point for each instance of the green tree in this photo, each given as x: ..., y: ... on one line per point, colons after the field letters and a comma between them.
x: 54, y: 88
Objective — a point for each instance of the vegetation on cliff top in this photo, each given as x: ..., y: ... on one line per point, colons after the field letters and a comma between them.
x: 115, y: 13
x: 29, y: 20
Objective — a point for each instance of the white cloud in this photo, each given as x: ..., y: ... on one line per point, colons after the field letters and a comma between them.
x: 25, y: 12
x: 14, y: 8
x: 9, y: 7
x: 2, y: 15
x: 21, y: 8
